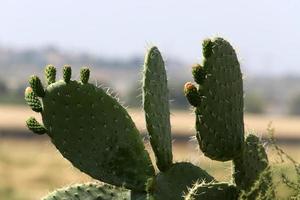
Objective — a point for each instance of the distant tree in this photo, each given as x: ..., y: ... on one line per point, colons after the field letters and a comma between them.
x: 254, y: 103
x: 294, y: 108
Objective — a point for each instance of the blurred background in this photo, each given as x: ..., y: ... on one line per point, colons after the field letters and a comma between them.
x: 111, y: 37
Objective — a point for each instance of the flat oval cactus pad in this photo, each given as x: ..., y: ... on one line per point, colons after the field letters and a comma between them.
x: 93, y: 131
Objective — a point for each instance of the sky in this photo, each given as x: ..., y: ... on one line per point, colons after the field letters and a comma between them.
x: 265, y: 33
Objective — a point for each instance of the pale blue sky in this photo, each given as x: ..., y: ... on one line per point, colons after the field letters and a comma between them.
x: 266, y: 33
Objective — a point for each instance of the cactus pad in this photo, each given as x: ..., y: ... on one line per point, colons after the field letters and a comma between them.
x: 156, y: 106
x: 173, y: 183
x: 219, y: 110
x: 93, y: 131
x: 212, y: 191
x: 90, y: 191
x: 252, y: 162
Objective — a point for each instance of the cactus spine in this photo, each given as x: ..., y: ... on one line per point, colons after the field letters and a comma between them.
x: 96, y: 134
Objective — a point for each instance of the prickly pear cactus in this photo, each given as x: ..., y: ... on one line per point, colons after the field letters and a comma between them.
x: 218, y: 100
x: 90, y: 128
x: 97, y: 135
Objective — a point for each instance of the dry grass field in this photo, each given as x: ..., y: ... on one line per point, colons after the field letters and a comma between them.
x: 30, y: 168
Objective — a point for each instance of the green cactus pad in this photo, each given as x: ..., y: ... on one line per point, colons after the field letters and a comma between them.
x: 32, y: 100
x: 35, y: 126
x: 90, y: 191
x: 212, y: 191
x: 156, y: 106
x: 252, y: 162
x: 50, y: 73
x: 174, y: 183
x: 219, y: 115
x: 93, y: 131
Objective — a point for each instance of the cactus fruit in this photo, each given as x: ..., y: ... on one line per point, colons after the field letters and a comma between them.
x: 32, y: 100
x: 50, y: 73
x: 218, y: 101
x: 37, y: 86
x: 35, y: 126
x: 67, y: 72
x: 96, y: 134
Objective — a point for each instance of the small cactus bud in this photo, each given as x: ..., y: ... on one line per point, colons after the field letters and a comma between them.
x: 198, y: 73
x: 207, y: 48
x: 84, y: 75
x: 37, y: 86
x: 50, y: 73
x: 192, y: 94
x: 28, y: 90
x: 35, y: 126
x: 67, y: 72
x: 32, y: 100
